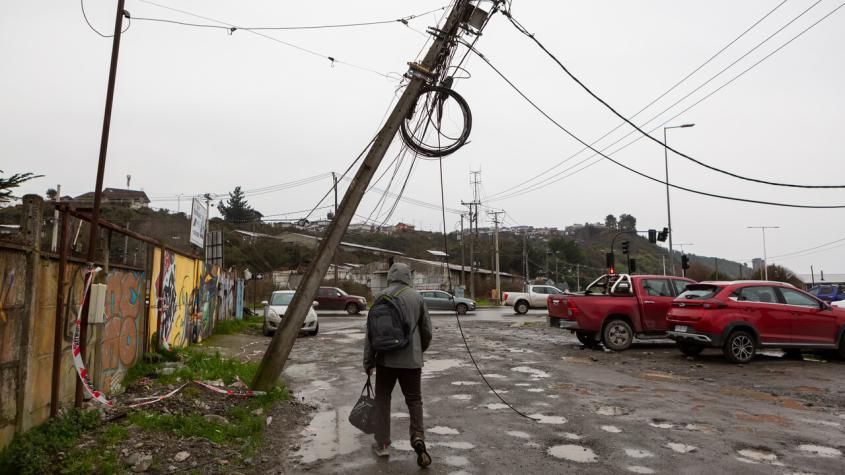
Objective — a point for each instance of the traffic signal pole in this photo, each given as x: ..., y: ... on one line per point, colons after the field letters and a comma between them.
x: 280, y: 347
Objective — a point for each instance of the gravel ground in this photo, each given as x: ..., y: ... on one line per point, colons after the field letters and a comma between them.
x: 647, y: 410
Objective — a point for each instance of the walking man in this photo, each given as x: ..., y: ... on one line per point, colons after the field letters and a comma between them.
x: 403, y: 364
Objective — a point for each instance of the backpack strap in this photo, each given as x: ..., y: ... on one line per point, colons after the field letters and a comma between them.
x: 396, y: 294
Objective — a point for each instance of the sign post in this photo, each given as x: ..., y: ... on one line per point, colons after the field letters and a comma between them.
x: 199, y: 215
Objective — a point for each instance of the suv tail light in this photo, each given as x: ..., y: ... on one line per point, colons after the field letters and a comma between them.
x: 572, y: 310
x: 505, y: 296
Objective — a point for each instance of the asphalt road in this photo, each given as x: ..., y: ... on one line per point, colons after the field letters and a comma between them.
x: 647, y: 410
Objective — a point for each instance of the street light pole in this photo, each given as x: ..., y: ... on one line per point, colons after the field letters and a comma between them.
x: 668, y: 205
x: 765, y: 257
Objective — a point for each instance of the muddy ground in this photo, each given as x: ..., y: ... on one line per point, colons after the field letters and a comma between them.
x: 647, y: 410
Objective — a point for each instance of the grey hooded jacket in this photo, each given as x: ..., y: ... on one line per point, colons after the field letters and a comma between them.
x: 411, y: 356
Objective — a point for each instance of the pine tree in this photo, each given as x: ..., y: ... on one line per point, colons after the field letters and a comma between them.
x: 236, y: 210
x: 14, y: 181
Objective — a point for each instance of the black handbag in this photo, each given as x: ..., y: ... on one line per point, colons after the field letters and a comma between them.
x: 364, y: 414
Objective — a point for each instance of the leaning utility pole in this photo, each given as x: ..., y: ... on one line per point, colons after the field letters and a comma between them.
x: 280, y: 347
x: 93, y: 241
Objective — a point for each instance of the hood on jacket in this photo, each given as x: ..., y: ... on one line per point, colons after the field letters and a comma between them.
x: 399, y: 272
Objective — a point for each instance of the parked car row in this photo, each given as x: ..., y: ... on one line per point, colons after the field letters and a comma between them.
x: 739, y: 317
x: 333, y: 298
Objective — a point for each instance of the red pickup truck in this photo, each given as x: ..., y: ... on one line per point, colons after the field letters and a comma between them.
x: 615, y: 308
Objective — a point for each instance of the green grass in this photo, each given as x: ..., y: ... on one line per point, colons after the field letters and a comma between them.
x: 229, y: 327
x: 33, y: 452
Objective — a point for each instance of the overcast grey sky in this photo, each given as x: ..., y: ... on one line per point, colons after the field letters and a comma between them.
x: 199, y: 110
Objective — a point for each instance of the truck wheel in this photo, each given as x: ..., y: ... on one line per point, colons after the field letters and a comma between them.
x: 521, y: 307
x: 739, y: 347
x: 690, y: 349
x: 266, y: 329
x: 461, y: 309
x: 617, y: 335
x: 352, y: 309
x: 315, y: 330
x: 587, y: 339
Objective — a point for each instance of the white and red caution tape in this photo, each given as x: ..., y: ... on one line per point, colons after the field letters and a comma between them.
x: 77, y: 352
x: 143, y: 401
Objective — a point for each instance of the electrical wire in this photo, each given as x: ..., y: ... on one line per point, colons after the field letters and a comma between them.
x: 566, y: 70
x: 653, y: 101
x: 403, y: 20
x: 332, y: 59
x: 814, y: 248
x: 367, y: 147
x: 637, y: 172
x: 87, y: 21
x: 551, y: 180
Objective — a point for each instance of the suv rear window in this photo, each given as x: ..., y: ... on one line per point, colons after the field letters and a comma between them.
x: 700, y: 291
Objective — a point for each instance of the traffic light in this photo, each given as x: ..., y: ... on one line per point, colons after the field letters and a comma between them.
x: 685, y: 262
x: 632, y: 266
x: 626, y: 247
x: 610, y: 261
x: 652, y: 236
x: 663, y: 235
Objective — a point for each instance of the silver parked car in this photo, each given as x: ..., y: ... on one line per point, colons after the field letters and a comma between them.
x: 439, y: 300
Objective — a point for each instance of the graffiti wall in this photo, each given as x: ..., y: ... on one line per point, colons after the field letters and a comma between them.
x: 121, y: 346
x: 174, y: 298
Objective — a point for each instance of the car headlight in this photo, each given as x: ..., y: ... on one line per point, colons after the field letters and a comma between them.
x: 272, y: 313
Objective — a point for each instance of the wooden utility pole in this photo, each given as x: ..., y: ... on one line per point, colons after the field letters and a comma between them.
x: 93, y: 241
x: 280, y: 347
x: 496, y: 246
x: 334, y: 181
x: 463, y: 258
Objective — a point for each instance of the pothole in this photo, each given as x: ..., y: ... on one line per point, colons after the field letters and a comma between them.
x: 573, y: 453
x: 611, y: 429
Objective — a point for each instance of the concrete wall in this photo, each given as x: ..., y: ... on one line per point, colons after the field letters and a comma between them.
x: 194, y: 298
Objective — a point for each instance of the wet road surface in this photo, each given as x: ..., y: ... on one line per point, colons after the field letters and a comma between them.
x: 647, y: 410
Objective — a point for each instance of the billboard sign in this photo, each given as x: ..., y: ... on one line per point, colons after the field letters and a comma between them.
x: 199, y: 215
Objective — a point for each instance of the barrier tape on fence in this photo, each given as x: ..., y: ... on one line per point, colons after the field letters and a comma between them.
x: 79, y: 364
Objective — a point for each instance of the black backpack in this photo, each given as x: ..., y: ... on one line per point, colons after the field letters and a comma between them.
x: 387, y: 329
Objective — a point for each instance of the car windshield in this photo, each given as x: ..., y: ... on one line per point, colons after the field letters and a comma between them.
x: 281, y: 298
x: 700, y: 291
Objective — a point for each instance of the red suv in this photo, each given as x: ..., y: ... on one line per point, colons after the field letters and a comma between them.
x: 742, y: 316
x: 333, y: 298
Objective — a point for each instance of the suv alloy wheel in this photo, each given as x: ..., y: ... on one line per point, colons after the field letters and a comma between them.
x: 352, y: 308
x: 521, y: 307
x: 739, y: 347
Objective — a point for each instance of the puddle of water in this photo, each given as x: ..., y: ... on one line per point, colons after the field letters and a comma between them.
x: 553, y: 396
x: 453, y: 445
x: 403, y: 445
x: 519, y: 350
x: 574, y: 453
x: 541, y: 404
x: 611, y: 411
x: 456, y: 461
x: 461, y: 397
x: 301, y: 370
x: 820, y: 450
x: 519, y: 434
x: 433, y: 366
x: 522, y: 385
x: 700, y: 428
x: 500, y: 391
x: 459, y: 472
x: 758, y: 455
x: 400, y: 415
x: 535, y: 390
x: 611, y: 429
x: 536, y: 373
x: 681, y: 448
x: 495, y: 406
x: 328, y: 435
x: 571, y: 436
x: 661, y: 425
x: 638, y: 453
x: 495, y: 376
x: 639, y: 469
x: 442, y: 430
x: 542, y: 419
x: 824, y: 423
x: 465, y: 383
x: 342, y: 332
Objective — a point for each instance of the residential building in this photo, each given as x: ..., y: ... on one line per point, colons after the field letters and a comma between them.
x: 134, y: 199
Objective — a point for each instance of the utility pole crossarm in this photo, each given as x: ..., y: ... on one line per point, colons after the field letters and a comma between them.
x: 280, y: 347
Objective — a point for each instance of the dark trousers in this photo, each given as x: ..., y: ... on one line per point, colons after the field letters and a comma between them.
x: 409, y: 382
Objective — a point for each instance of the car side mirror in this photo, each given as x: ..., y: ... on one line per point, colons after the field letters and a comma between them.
x: 315, y: 303
x: 265, y: 303
x: 825, y: 306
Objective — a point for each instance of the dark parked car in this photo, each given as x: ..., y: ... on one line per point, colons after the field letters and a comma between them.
x: 740, y: 317
x: 333, y: 298
x: 439, y: 300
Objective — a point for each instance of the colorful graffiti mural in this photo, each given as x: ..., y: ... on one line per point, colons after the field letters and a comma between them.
x: 125, y: 305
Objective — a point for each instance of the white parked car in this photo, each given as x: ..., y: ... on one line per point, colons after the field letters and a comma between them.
x: 536, y: 297
x: 839, y: 303
x: 275, y: 309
